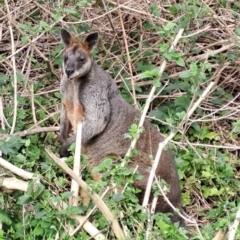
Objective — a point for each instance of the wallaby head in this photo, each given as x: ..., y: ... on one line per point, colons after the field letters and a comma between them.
x: 77, y: 59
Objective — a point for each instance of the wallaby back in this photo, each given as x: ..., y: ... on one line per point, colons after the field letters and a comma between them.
x: 90, y: 95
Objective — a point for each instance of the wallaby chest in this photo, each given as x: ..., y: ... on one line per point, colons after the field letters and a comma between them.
x: 70, y: 100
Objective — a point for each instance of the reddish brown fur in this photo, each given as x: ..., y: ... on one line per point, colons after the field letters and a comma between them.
x: 78, y: 45
x: 74, y: 112
x: 95, y: 176
x: 73, y: 107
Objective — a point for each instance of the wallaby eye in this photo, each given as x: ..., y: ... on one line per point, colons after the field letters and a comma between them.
x: 81, y: 59
x: 65, y: 58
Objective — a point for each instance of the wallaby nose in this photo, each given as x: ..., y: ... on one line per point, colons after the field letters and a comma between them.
x: 69, y: 71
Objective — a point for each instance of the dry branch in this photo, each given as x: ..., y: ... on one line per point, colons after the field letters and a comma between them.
x: 86, y: 225
x: 76, y: 166
x: 16, y: 184
x: 73, y: 200
x: 163, y: 144
x: 98, y: 17
x: 37, y: 130
x: 234, y: 227
x: 128, y: 57
x: 88, y: 215
x: 20, y: 172
x: 97, y: 200
x: 14, y: 69
x: 219, y: 236
x: 47, y: 61
x: 33, y: 131
x: 151, y: 94
x: 2, y: 115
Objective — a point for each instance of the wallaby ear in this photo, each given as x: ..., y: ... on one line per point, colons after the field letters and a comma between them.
x: 91, y: 40
x: 66, y: 37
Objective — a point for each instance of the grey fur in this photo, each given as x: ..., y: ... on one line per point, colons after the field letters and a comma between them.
x: 107, y: 117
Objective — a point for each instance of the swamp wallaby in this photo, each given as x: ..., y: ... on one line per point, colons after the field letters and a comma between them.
x: 90, y: 95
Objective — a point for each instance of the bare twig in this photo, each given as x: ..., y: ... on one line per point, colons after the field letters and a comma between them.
x: 163, y: 144
x: 88, y: 215
x: 47, y: 61
x: 76, y: 166
x: 14, y: 184
x: 35, y: 130
x: 1, y: 28
x: 32, y: 41
x: 9, y: 184
x: 151, y: 94
x: 220, y: 235
x: 86, y: 225
x: 169, y: 203
x: 14, y: 70
x: 100, y: 16
x: 205, y: 56
x: 73, y: 200
x: 16, y: 9
x: 128, y: 57
x: 2, y: 114
x: 20, y: 172
x: 141, y: 12
x: 97, y: 200
x: 150, y: 221
x: 229, y: 147
x: 198, y: 32
x: 32, y: 105
x: 234, y: 227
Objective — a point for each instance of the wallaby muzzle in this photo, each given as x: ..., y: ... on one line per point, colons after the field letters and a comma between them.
x: 69, y: 71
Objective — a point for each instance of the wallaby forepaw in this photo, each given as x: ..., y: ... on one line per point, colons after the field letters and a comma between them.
x: 64, y: 152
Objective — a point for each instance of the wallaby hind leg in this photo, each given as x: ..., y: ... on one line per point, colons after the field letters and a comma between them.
x: 176, y: 218
x: 85, y: 199
x: 84, y: 196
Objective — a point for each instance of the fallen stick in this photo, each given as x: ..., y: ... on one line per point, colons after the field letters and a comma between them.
x: 17, y: 184
x: 20, y: 172
x: 234, y: 227
x: 86, y: 225
x: 14, y: 184
x: 96, y: 199
x: 88, y: 215
x: 73, y: 200
x: 150, y: 96
x: 76, y: 166
x: 163, y: 144
x: 220, y: 235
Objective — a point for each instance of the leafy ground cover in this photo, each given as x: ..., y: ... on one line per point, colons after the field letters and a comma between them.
x: 135, y: 40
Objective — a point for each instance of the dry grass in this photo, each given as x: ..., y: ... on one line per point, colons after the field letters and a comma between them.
x: 215, y: 33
